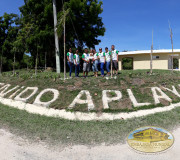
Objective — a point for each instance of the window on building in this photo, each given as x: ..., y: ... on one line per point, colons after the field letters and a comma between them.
x: 155, y: 57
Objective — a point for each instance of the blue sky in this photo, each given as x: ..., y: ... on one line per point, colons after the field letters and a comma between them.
x: 129, y: 23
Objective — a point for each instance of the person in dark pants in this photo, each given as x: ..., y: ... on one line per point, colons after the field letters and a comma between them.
x: 108, y: 60
x: 77, y: 63
x: 70, y: 59
x: 114, y: 53
x: 86, y: 63
x: 95, y: 63
x: 102, y: 59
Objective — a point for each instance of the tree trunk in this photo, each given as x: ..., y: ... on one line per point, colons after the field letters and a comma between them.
x: 64, y: 47
x: 151, y: 55
x: 58, y: 64
x: 45, y: 61
x: 14, y: 64
x: 36, y: 62
x: 111, y: 65
x: 1, y: 66
x: 1, y: 63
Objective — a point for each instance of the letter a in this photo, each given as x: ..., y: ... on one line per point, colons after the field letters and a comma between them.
x: 88, y: 100
x: 157, y: 97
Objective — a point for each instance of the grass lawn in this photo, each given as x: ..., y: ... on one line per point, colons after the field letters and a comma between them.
x: 60, y: 131
x: 139, y: 81
x: 56, y: 130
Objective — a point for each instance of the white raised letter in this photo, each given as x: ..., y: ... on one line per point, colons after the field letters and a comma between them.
x: 157, y: 97
x: 18, y: 97
x: 46, y: 104
x: 134, y: 101
x: 88, y: 101
x: 1, y: 84
x: 4, y: 88
x: 11, y: 96
x: 173, y: 91
x: 106, y: 99
x: 5, y: 92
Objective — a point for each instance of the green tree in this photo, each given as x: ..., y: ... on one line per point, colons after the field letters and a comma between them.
x: 27, y: 61
x: 127, y: 63
x: 9, y: 26
x: 37, y: 23
x: 83, y: 26
x: 83, y: 23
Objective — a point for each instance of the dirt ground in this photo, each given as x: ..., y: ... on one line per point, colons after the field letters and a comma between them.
x: 16, y: 148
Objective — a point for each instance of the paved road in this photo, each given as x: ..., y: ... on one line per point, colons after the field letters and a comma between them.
x: 16, y: 148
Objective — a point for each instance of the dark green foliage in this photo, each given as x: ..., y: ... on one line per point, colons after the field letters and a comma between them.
x: 83, y: 22
x: 9, y: 26
x: 33, y: 31
x: 127, y: 63
x: 175, y: 63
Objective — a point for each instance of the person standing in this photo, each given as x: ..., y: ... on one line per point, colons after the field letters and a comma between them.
x: 70, y: 59
x: 91, y: 52
x: 108, y: 60
x: 114, y: 53
x: 102, y: 59
x: 95, y: 63
x: 77, y: 63
x: 91, y: 58
x: 86, y: 63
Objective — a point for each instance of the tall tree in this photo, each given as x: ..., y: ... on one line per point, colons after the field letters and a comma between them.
x: 83, y: 26
x: 9, y: 26
x: 83, y: 23
x: 37, y: 18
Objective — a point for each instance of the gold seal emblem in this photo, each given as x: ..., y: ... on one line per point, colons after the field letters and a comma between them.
x: 150, y: 139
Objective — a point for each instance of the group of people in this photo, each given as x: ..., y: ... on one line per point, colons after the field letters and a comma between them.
x: 94, y: 59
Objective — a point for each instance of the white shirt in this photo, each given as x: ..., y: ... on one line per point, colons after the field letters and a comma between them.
x: 71, y: 57
x: 76, y: 57
x: 86, y: 56
x: 114, y: 55
x: 108, y: 56
x: 96, y: 56
x: 101, y: 56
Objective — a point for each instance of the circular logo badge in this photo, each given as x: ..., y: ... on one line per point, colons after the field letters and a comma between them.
x: 150, y: 139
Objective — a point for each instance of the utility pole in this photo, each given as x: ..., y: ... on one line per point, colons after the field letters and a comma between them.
x: 111, y: 65
x: 151, y: 53
x: 45, y: 61
x: 1, y: 62
x: 58, y: 66
x: 171, y: 35
x: 36, y: 61
x: 64, y: 44
x: 14, y: 62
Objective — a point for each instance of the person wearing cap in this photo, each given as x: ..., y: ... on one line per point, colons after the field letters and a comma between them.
x: 77, y: 63
x: 86, y: 63
x: 102, y: 60
x: 108, y: 60
x: 95, y: 63
x: 114, y: 53
x: 70, y: 60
